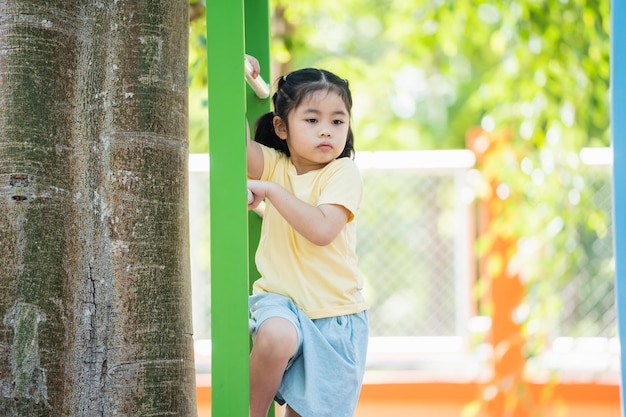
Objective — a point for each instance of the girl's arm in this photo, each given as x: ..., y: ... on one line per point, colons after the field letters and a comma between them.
x: 319, y: 224
x: 254, y: 156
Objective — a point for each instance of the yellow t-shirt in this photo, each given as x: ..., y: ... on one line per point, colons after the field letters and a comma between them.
x: 322, y: 280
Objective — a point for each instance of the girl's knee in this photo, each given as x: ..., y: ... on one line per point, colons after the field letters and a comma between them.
x: 276, y: 337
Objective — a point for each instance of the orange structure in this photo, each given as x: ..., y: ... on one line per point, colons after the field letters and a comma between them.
x: 450, y: 399
x: 505, y: 394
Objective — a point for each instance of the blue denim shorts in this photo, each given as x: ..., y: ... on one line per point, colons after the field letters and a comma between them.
x: 324, y: 377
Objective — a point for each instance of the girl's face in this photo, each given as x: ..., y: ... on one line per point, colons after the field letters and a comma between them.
x: 317, y: 131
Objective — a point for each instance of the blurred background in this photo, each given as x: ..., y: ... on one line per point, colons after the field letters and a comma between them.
x: 485, y: 238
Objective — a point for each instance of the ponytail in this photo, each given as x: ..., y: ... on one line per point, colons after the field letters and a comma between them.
x: 265, y: 135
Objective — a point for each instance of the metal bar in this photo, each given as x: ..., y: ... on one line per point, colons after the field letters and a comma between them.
x: 260, y: 87
x: 257, y: 38
x: 618, y: 140
x: 229, y: 243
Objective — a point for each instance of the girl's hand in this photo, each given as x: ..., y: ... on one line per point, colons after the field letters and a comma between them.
x: 256, y: 67
x: 259, y: 190
x: 319, y: 224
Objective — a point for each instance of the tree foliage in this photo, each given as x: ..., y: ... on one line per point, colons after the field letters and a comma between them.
x: 424, y: 73
x: 198, y: 94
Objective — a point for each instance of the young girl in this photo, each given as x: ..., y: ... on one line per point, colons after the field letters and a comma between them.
x: 310, y: 336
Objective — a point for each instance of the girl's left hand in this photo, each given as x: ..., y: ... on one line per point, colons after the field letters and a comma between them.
x: 258, y: 189
x: 256, y: 67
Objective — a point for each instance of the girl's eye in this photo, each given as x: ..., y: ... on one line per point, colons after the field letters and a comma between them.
x: 311, y: 120
x: 337, y: 122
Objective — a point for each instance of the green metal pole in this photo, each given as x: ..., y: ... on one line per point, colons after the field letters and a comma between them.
x: 229, y: 246
x: 257, y: 29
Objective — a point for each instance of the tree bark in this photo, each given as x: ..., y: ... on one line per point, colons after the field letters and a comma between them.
x: 95, y: 314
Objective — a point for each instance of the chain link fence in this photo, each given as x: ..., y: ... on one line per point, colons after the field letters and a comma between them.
x: 416, y: 249
x: 414, y: 243
x: 588, y: 294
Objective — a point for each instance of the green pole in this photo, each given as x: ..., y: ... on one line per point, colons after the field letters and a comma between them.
x: 229, y: 246
x: 257, y: 29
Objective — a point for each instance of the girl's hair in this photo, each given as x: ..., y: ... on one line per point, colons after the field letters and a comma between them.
x: 291, y: 90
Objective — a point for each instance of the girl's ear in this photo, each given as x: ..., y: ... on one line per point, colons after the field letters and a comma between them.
x: 280, y: 127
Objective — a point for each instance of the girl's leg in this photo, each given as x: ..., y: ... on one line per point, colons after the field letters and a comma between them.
x: 276, y: 341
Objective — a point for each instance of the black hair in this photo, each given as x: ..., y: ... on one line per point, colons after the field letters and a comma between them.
x: 291, y: 90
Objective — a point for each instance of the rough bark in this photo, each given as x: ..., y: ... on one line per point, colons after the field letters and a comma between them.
x: 95, y: 315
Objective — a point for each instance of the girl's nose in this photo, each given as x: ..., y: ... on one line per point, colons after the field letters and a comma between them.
x: 324, y: 131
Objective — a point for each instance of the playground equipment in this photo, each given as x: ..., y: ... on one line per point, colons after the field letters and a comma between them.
x: 235, y: 27
x: 232, y: 28
x: 618, y: 141
x: 258, y: 85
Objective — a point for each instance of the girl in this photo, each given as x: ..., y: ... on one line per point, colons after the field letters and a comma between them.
x: 310, y: 335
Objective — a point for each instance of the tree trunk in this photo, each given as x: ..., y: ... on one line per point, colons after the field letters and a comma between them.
x: 95, y: 315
